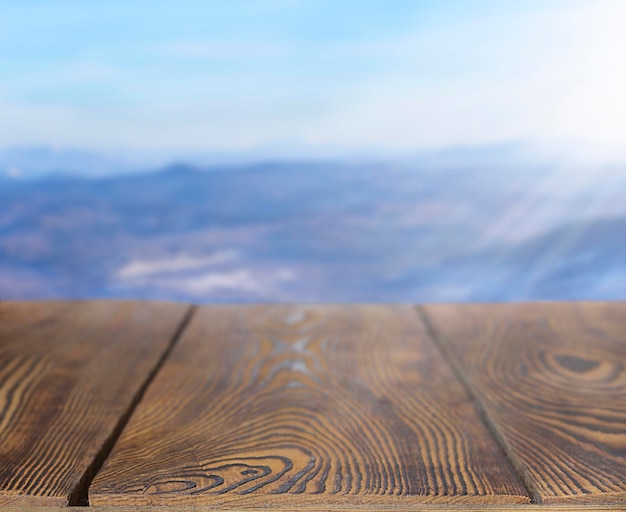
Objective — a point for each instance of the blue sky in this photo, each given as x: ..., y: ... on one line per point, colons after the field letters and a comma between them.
x: 315, y: 75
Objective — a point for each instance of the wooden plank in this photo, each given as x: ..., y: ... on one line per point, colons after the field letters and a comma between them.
x: 292, y: 407
x: 69, y: 371
x: 552, y: 381
x: 375, y: 508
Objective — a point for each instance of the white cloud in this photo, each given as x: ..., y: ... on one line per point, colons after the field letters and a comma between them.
x: 14, y: 172
x: 141, y: 268
x: 258, y: 283
x: 202, y: 276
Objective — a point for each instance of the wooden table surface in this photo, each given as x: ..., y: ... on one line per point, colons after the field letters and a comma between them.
x: 114, y: 404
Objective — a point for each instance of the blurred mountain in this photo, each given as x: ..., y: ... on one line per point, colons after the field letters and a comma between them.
x: 35, y: 162
x: 447, y: 228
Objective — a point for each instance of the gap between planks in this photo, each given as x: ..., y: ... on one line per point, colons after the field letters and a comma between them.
x: 535, y: 497
x: 80, y: 495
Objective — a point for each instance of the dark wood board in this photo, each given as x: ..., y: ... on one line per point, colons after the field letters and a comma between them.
x: 69, y: 371
x: 306, y: 406
x: 551, y: 379
x: 408, y: 507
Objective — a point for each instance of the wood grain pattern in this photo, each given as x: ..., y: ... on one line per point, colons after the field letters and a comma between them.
x: 407, y: 507
x: 291, y: 407
x: 68, y: 373
x: 552, y: 381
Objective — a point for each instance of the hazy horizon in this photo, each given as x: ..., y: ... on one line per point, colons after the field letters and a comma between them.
x: 32, y: 162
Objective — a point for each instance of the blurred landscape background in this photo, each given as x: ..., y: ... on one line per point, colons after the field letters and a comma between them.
x: 304, y: 151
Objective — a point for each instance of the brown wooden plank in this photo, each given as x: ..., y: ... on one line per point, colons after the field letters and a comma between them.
x: 68, y: 373
x: 552, y: 381
x: 408, y: 507
x: 287, y: 406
